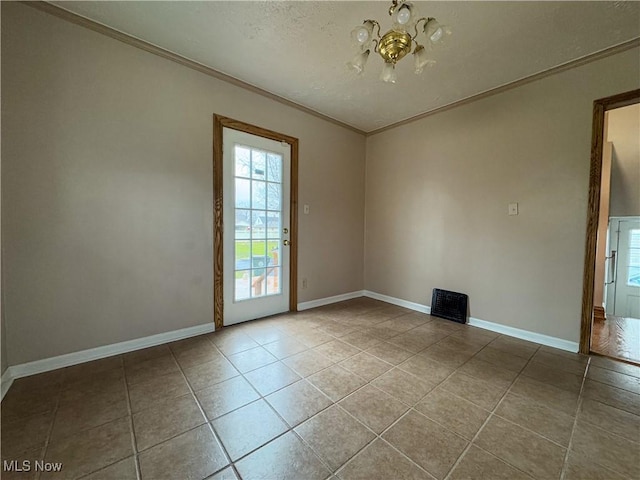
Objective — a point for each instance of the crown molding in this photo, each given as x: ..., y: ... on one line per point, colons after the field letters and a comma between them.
x: 74, y: 18
x: 607, y: 52
x: 79, y: 20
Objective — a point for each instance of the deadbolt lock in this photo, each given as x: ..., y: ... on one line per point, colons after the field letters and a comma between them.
x: 287, y: 243
x: 285, y: 230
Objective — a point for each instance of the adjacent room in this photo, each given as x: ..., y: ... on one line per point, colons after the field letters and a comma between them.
x: 320, y: 240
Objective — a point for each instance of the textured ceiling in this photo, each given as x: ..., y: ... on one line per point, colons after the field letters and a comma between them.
x: 298, y: 50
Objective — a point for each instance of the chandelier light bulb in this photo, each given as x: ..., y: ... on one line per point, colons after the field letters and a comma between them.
x: 404, y: 15
x: 436, y: 32
x: 362, y: 35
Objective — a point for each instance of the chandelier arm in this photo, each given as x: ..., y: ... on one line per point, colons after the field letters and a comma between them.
x: 426, y: 20
x: 376, y: 42
x: 375, y: 24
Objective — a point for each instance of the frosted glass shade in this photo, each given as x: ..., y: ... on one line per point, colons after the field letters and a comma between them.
x: 388, y: 73
x: 421, y: 60
x: 359, y: 61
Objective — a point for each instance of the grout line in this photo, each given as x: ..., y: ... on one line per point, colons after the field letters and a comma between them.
x: 45, y: 447
x: 202, y: 412
x: 134, y: 443
x: 565, y: 463
x: 489, y: 417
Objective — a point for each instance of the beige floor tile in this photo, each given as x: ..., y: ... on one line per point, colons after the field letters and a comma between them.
x: 191, y: 456
x: 146, y: 394
x: 373, y: 407
x: 334, y: 435
x: 248, y: 428
x: 426, y: 370
x: 191, y: 343
x: 468, y: 345
x: 483, y: 393
x: 478, y: 464
x: 396, y: 325
x: 26, y: 433
x: 361, y: 340
x: 514, y: 346
x: 609, y: 450
x: 271, y: 378
x: 208, y: 374
x: 389, y: 353
x: 553, y: 397
x: 89, y: 412
x: 89, y: 370
x: 381, y: 461
x: 145, y: 354
x: 430, y: 445
x: 234, y: 343
x: 402, y: 385
x: 314, y: 338
x: 574, y: 357
x: 137, y: 372
x: 336, y: 351
x: 284, y: 458
x: 611, y: 419
x: 107, y: 382
x: 251, y: 359
x: 307, y: 363
x: 336, y: 382
x: 366, y: 366
x: 502, y: 359
x: 521, y: 448
x: 416, y: 342
x: 122, y: 470
x: 92, y: 449
x: 560, y: 362
x: 226, y: 396
x: 285, y: 347
x: 548, y: 422
x: 226, y: 474
x: 584, y: 468
x: 486, y: 371
x: 265, y: 335
x: 553, y: 376
x: 616, y: 397
x: 453, y: 412
x: 615, y: 379
x: 165, y: 420
x: 298, y: 402
x: 204, y: 353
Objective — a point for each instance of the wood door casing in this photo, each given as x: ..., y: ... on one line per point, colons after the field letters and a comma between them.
x: 219, y: 123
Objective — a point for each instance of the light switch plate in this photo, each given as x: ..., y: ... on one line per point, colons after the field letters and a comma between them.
x: 513, y: 209
x: 306, y: 209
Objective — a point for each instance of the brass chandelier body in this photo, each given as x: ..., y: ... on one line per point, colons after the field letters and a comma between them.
x: 396, y: 43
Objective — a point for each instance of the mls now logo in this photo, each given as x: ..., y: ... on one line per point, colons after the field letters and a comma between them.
x: 27, y: 466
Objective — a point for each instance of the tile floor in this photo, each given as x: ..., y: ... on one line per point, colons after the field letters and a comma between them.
x: 355, y: 390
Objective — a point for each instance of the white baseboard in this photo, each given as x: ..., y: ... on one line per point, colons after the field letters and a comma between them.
x: 5, y: 383
x: 494, y: 327
x: 329, y: 300
x: 75, y: 358
x: 398, y: 301
x: 535, y: 337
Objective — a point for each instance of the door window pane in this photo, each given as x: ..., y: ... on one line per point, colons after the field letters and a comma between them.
x: 243, y: 224
x: 258, y: 167
x: 242, y: 161
x: 243, y: 192
x: 258, y: 227
x: 258, y: 194
x: 633, y: 270
x: 274, y: 226
x: 274, y: 196
x: 274, y: 167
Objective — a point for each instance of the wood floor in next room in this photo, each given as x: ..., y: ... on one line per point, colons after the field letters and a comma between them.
x: 356, y: 390
x: 617, y: 337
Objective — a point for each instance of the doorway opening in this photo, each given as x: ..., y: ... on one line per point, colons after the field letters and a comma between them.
x: 255, y: 188
x: 610, y: 322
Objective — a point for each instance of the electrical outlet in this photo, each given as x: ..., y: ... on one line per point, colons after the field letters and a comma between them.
x: 304, y: 283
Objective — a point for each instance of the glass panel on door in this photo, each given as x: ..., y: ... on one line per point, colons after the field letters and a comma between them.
x: 258, y: 226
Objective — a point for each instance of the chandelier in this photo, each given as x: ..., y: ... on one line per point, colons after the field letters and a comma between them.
x: 397, y: 42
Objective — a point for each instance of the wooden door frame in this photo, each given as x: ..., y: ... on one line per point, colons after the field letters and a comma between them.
x: 219, y: 123
x: 600, y: 106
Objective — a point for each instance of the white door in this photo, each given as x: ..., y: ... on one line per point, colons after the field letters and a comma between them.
x: 623, y: 289
x: 256, y: 209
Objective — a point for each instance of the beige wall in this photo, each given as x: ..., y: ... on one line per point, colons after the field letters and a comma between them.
x: 107, y: 189
x: 624, y: 125
x: 437, y: 192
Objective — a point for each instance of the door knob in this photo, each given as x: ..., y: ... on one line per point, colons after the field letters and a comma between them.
x: 287, y: 243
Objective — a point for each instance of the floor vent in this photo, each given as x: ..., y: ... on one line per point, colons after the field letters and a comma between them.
x: 449, y: 305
